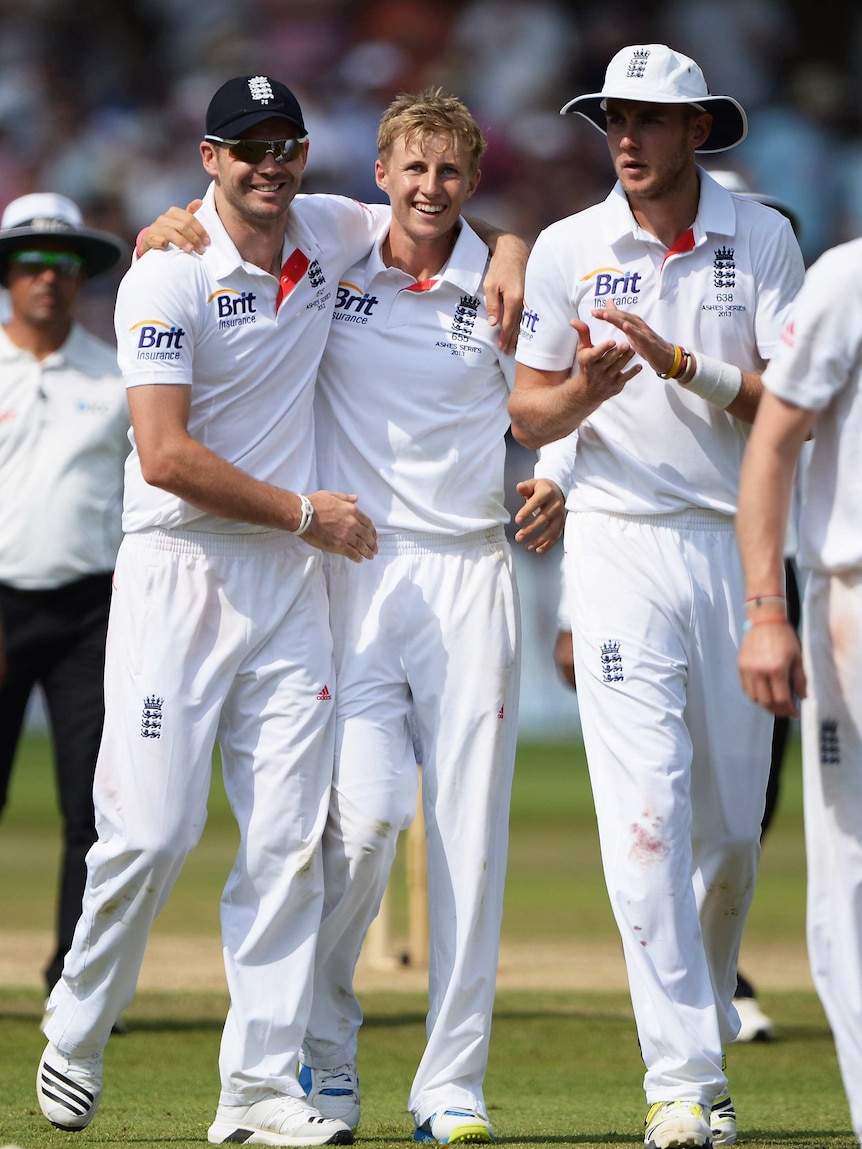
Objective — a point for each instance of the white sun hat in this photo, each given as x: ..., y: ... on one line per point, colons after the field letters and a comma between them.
x: 655, y: 74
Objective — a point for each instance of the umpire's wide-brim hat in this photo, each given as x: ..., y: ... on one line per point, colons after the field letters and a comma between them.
x: 655, y: 74
x: 45, y: 216
x: 735, y: 182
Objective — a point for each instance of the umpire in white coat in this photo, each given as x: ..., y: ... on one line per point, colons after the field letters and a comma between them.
x: 63, y: 442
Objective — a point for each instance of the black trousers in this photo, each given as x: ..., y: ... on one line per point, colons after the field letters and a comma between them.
x: 56, y: 639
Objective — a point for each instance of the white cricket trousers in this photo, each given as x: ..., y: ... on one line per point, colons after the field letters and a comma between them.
x: 679, y: 760
x: 427, y: 646
x: 211, y: 637
x: 832, y: 771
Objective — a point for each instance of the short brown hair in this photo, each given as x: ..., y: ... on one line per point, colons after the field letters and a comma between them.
x: 432, y: 112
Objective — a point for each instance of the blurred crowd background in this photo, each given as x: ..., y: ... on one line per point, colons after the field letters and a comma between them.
x: 104, y: 102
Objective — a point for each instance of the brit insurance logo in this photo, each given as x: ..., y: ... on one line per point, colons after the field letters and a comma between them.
x: 158, y: 340
x: 352, y: 304
x: 529, y: 323
x: 233, y: 308
x: 623, y: 287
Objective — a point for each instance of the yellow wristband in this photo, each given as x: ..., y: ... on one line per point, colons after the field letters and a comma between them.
x: 675, y: 366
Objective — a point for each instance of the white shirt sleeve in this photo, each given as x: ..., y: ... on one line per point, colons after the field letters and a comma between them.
x: 556, y: 462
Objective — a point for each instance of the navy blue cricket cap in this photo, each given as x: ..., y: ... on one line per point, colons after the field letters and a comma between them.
x: 245, y: 101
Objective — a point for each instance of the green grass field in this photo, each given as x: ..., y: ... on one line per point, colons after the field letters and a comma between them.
x: 564, y: 1065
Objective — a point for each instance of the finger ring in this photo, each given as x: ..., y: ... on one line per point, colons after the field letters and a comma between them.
x: 535, y: 514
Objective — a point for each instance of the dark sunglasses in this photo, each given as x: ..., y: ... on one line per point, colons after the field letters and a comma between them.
x: 65, y: 263
x: 254, y: 151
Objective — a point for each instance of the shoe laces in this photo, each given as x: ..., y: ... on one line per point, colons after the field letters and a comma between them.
x: 91, y: 1066
x: 340, y: 1079
x: 286, y: 1108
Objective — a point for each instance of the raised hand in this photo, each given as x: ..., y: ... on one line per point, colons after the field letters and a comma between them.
x: 641, y: 337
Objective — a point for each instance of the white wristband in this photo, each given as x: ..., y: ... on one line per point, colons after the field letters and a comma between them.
x: 307, y: 515
x: 713, y: 380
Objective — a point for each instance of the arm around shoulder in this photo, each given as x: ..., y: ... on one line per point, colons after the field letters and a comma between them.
x: 504, y: 281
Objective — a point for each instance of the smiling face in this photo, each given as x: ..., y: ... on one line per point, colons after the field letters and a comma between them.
x: 255, y: 194
x: 428, y: 179
x: 652, y: 146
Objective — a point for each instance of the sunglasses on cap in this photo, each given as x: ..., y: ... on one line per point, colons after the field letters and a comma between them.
x: 254, y: 151
x: 65, y: 263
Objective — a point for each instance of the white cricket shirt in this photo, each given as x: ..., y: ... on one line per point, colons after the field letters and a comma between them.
x: 247, y: 343
x: 63, y: 439
x: 819, y: 367
x: 724, y: 289
x: 411, y: 404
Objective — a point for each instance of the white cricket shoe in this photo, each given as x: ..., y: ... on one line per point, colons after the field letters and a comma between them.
x: 754, y: 1024
x: 722, y: 1122
x: 456, y: 1126
x: 69, y: 1088
x: 334, y: 1092
x: 677, y: 1125
x: 277, y: 1120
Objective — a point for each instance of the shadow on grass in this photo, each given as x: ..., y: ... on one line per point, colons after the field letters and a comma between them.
x: 545, y: 1139
x: 806, y: 1137
x: 798, y: 1139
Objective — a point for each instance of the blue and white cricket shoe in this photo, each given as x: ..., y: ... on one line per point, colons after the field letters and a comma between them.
x: 334, y: 1092
x: 456, y: 1127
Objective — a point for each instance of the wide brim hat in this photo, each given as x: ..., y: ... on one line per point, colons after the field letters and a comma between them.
x: 46, y: 215
x: 734, y: 182
x: 655, y: 74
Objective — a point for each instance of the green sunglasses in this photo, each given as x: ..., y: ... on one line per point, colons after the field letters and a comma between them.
x: 65, y: 263
x: 254, y: 151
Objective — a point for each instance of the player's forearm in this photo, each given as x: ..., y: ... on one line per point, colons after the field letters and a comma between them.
x: 763, y: 510
x: 542, y: 414
x: 761, y: 527
x: 744, y: 406
x: 187, y: 469
x: 765, y: 488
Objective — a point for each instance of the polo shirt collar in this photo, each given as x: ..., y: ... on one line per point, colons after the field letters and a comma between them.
x: 223, y: 251
x: 74, y: 351
x: 465, y: 268
x: 716, y: 213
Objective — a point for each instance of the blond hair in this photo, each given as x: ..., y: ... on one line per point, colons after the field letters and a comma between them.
x: 432, y: 112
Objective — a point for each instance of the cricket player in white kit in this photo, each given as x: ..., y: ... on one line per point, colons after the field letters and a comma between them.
x: 648, y: 320
x: 814, y: 385
x: 411, y: 406
x: 219, y: 621
x: 411, y: 411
